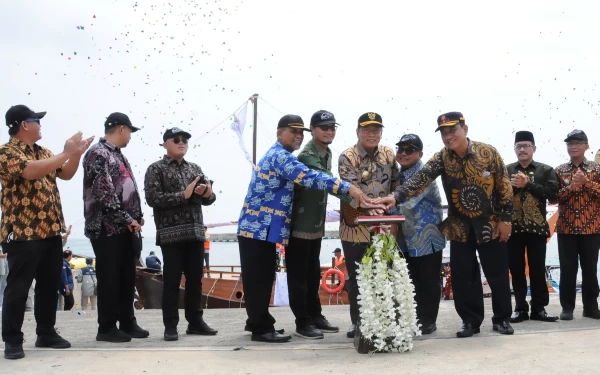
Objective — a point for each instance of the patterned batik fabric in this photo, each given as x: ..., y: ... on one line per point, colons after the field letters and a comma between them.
x: 177, y: 219
x: 477, y: 188
x: 377, y: 176
x: 529, y: 207
x: 31, y: 209
x: 420, y: 234
x: 267, y: 210
x: 579, y: 211
x: 110, y: 194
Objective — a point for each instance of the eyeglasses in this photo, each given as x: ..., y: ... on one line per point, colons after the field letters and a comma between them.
x: 33, y: 120
x: 576, y: 143
x: 327, y: 127
x: 177, y: 140
x: 372, y: 129
x: 524, y: 147
x: 406, y: 150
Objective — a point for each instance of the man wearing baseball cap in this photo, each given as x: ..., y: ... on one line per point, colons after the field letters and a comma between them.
x: 578, y: 227
x: 372, y: 168
x: 480, y: 205
x: 266, y: 216
x: 32, y: 224
x: 420, y: 239
x: 308, y: 227
x: 113, y: 216
x: 176, y: 189
x: 67, y: 285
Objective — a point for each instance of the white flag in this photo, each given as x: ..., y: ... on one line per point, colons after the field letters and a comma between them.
x: 239, y: 122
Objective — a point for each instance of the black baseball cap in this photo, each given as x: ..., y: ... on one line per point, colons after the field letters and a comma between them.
x: 292, y: 121
x: 450, y: 119
x: 322, y: 117
x: 119, y: 119
x: 19, y: 113
x: 370, y: 118
x: 338, y: 250
x: 576, y: 135
x: 174, y: 132
x: 412, y: 140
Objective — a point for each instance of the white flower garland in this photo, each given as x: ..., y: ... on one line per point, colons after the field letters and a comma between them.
x: 388, y: 316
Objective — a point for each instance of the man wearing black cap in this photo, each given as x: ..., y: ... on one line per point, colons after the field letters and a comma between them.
x: 308, y: 227
x: 32, y: 223
x: 266, y: 216
x: 533, y: 184
x: 420, y: 239
x: 177, y: 189
x: 113, y: 217
x: 578, y: 227
x: 372, y: 168
x: 480, y: 201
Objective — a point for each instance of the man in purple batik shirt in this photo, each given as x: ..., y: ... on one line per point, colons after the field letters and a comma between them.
x: 113, y: 216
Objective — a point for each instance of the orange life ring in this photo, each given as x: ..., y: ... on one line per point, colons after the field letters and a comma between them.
x: 326, y: 287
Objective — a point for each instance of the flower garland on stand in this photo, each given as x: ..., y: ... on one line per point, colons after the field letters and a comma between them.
x: 388, y: 316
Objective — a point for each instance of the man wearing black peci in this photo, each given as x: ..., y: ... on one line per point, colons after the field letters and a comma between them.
x: 533, y: 184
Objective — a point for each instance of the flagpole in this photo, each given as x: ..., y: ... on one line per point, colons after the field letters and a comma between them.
x: 255, y: 126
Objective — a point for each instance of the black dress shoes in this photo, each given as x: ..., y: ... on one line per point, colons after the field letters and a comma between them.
x: 542, y: 316
x: 53, y: 341
x: 201, y: 329
x: 467, y: 330
x: 13, y: 351
x: 594, y: 314
x: 566, y: 315
x: 428, y: 329
x: 309, y: 331
x: 519, y: 316
x: 351, y: 331
x: 171, y: 334
x: 248, y: 328
x: 271, y: 337
x: 135, y: 331
x: 324, y: 326
x: 113, y: 335
x: 503, y: 328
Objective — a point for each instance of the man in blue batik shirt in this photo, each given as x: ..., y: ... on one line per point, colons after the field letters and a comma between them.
x: 420, y: 239
x: 266, y: 216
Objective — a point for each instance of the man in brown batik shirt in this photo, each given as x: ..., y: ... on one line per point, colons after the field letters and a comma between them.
x: 31, y: 227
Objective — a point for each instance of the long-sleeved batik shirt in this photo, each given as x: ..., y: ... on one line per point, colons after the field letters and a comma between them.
x: 110, y: 194
x: 267, y: 210
x: 578, y: 210
x: 177, y: 219
x: 420, y: 234
x: 376, y: 175
x: 477, y: 188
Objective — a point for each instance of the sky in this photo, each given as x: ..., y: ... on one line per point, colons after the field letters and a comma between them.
x: 506, y: 66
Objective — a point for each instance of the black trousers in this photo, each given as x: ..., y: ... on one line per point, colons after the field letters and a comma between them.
x: 466, y: 279
x: 353, y: 252
x: 536, y: 258
x: 424, y: 272
x: 115, y: 271
x: 304, y: 278
x: 27, y: 260
x: 187, y: 258
x: 574, y: 249
x: 206, y: 260
x: 258, y: 273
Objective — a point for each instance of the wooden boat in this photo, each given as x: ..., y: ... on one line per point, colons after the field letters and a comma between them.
x: 223, y: 289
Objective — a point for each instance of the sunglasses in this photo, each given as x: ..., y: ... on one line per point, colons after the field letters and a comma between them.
x: 178, y: 140
x: 33, y: 120
x: 327, y: 127
x: 407, y: 150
